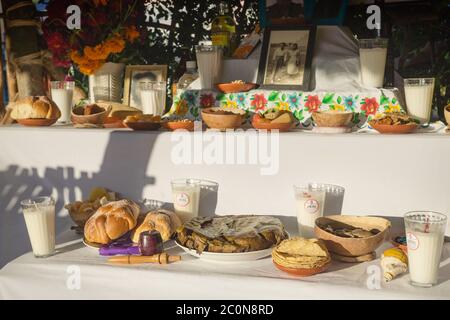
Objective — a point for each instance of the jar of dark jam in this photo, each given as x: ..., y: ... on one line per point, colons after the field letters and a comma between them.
x: 150, y: 243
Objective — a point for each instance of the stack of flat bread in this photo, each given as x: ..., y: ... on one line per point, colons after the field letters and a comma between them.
x: 301, y: 253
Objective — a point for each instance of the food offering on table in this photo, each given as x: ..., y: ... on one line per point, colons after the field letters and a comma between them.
x: 150, y: 243
x: 91, y: 114
x: 447, y: 116
x: 146, y: 122
x: 81, y: 211
x: 119, y: 110
x: 394, y: 123
x: 231, y: 238
x: 352, y: 238
x: 111, y: 222
x: 236, y: 86
x: 394, y: 262
x: 223, y: 118
x: 332, y: 121
x: 35, y: 111
x: 273, y: 119
x: 301, y: 257
x: 164, y: 221
x: 179, y: 124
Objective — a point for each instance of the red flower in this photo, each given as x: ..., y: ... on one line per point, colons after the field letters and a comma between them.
x: 313, y: 103
x: 370, y: 106
x: 259, y: 101
x: 207, y: 100
x: 56, y: 42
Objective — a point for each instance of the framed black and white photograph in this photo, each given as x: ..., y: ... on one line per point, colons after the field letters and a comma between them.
x: 134, y: 74
x: 286, y: 58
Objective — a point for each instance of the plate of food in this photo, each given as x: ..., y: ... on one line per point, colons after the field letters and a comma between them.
x: 89, y: 114
x: 35, y: 111
x: 273, y: 119
x: 236, y: 86
x: 231, y: 238
x: 394, y: 123
x: 146, y: 122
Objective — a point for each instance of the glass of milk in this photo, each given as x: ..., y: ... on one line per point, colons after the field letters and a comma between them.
x: 372, y: 56
x: 209, y: 60
x: 186, y: 198
x: 425, y: 237
x: 334, y: 198
x: 419, y: 98
x: 310, y: 204
x: 62, y: 96
x: 39, y: 214
x: 153, y: 97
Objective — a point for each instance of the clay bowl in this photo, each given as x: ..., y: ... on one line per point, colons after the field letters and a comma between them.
x: 222, y: 121
x: 395, y: 129
x: 176, y: 125
x: 37, y: 122
x: 235, y: 87
x: 352, y: 247
x: 302, y: 272
x: 261, y: 125
x: 447, y: 115
x: 331, y: 119
x: 77, y: 117
x: 143, y: 126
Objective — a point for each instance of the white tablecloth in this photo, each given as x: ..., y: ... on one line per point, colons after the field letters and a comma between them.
x: 383, y: 174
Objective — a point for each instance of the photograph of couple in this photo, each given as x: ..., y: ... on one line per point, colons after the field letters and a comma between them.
x: 286, y: 58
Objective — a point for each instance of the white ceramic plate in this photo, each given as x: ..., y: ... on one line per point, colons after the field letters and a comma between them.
x: 228, y: 257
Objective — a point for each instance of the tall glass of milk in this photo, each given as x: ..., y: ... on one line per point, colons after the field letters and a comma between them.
x: 153, y: 97
x: 334, y: 198
x: 186, y: 198
x: 62, y: 95
x: 310, y: 204
x: 39, y: 214
x: 372, y: 56
x: 419, y: 98
x: 425, y: 237
x: 209, y: 60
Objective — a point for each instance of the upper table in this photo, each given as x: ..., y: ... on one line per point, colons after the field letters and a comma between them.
x: 383, y: 174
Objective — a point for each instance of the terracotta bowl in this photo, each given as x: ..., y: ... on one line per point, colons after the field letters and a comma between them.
x: 143, y: 126
x: 395, y: 129
x: 221, y: 121
x: 447, y: 115
x: 235, y: 87
x: 97, y: 119
x: 175, y: 125
x: 332, y: 119
x: 352, y: 247
x: 282, y: 127
x: 302, y: 272
x: 37, y: 122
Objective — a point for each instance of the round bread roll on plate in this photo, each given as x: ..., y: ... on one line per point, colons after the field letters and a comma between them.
x: 164, y: 221
x: 35, y: 111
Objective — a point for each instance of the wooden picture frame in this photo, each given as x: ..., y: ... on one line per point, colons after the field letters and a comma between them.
x: 286, y: 58
x: 147, y: 73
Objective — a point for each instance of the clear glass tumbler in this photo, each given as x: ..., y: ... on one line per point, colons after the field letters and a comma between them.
x: 310, y: 205
x: 186, y: 198
x: 419, y: 94
x: 425, y: 232
x: 209, y: 60
x: 153, y: 97
x: 372, y: 56
x: 39, y: 214
x: 62, y: 96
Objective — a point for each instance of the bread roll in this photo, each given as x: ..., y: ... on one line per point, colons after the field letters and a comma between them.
x: 164, y: 221
x: 111, y: 221
x: 35, y: 107
x: 118, y: 110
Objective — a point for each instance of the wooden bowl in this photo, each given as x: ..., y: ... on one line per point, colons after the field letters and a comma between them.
x: 395, y: 129
x: 37, y: 122
x: 235, y: 87
x: 222, y: 121
x: 302, y: 272
x: 261, y: 125
x: 176, y: 125
x: 143, y: 126
x: 353, y: 247
x: 447, y: 115
x: 96, y: 119
x: 331, y: 119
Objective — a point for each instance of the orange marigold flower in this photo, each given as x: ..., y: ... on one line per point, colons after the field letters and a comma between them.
x: 131, y: 33
x: 115, y: 44
x: 98, y: 52
x: 90, y: 66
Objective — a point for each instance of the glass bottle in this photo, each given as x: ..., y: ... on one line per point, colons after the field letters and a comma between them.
x: 223, y: 30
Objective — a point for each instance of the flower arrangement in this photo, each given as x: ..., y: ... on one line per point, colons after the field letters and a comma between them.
x: 108, y: 33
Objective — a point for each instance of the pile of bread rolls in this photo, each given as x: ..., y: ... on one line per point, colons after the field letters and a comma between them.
x: 35, y: 107
x: 117, y: 218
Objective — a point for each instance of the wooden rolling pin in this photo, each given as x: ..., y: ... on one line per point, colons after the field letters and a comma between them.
x: 162, y: 258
